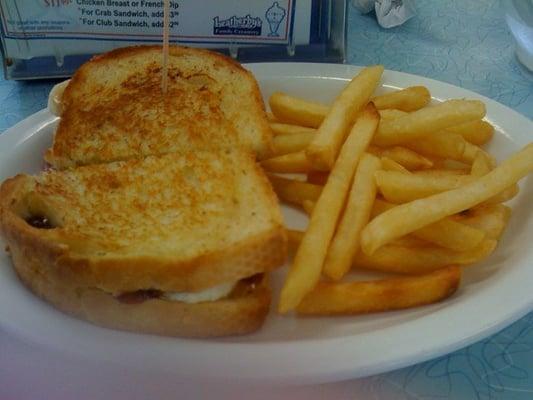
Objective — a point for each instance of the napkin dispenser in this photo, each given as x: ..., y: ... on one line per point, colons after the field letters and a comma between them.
x: 51, y: 38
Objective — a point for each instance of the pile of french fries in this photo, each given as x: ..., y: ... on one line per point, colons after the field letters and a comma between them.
x: 393, y: 184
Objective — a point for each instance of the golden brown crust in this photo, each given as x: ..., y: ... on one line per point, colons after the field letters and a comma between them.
x: 113, y: 108
x: 229, y: 316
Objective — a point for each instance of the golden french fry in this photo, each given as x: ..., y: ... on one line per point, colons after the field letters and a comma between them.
x: 440, y: 144
x: 439, y: 163
x: 412, y: 255
x: 492, y: 219
x: 279, y: 128
x: 390, y: 165
x: 407, y: 158
x: 294, y: 110
x: 308, y: 206
x: 409, y: 217
x: 329, y: 298
x: 410, y: 260
x: 284, y: 144
x: 438, y: 173
x: 408, y: 99
x: 477, y: 132
x: 398, y: 187
x: 323, y: 149
x: 287, y: 163
x: 294, y: 238
x: 345, y: 242
x: 391, y: 114
x: 448, y: 232
x: 293, y: 191
x: 481, y: 165
x: 505, y: 195
x: 471, y: 151
x: 307, y: 266
x: 410, y: 241
x: 427, y: 120
x: 317, y: 177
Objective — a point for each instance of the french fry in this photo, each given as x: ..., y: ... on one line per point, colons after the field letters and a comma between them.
x: 357, y: 297
x: 293, y: 191
x: 294, y: 110
x: 382, y: 295
x: 324, y: 148
x: 279, y: 128
x: 412, y: 255
x: 317, y: 177
x: 287, y: 163
x: 448, y: 232
x: 389, y: 164
x: 308, y: 206
x: 492, y: 219
x: 409, y: 217
x: 471, y: 151
x: 345, y: 242
x: 294, y: 238
x: 413, y: 261
x: 504, y: 196
x: 398, y: 187
x: 284, y: 144
x: 438, y: 173
x: 440, y: 144
x: 307, y: 266
x: 410, y: 241
x: 391, y: 114
x: 482, y: 164
x: 427, y: 120
x: 439, y: 163
x: 407, y: 158
x: 408, y: 99
x: 477, y: 132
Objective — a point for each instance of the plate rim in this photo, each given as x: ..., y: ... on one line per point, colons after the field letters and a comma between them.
x: 308, y: 369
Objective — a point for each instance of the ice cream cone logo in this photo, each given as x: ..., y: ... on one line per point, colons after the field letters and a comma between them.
x: 274, y: 15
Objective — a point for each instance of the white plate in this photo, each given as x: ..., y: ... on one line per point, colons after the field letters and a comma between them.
x: 306, y: 350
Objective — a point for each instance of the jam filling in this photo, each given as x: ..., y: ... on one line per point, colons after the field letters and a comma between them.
x: 242, y: 288
x: 39, y: 222
x: 139, y: 296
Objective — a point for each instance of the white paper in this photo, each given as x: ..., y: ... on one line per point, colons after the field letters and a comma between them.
x: 47, y: 27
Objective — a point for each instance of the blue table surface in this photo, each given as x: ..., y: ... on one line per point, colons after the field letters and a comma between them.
x: 462, y: 42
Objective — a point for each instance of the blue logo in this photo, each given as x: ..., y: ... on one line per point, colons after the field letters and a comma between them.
x: 274, y: 16
x: 247, y: 26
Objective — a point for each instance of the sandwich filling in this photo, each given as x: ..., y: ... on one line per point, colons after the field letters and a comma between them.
x: 215, y: 293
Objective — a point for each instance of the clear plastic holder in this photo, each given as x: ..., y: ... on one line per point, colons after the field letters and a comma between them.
x: 52, y: 38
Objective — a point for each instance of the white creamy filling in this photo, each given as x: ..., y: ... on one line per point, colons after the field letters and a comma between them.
x: 55, y: 96
x: 212, y: 294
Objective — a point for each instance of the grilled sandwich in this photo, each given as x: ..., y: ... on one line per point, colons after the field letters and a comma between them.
x: 154, y: 216
x: 113, y: 108
x: 176, y: 244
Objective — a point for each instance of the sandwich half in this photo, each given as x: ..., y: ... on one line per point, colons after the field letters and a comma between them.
x: 177, y: 244
x: 113, y: 108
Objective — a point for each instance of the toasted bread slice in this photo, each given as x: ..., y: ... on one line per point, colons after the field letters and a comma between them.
x: 243, y: 311
x: 113, y: 107
x: 173, y: 223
